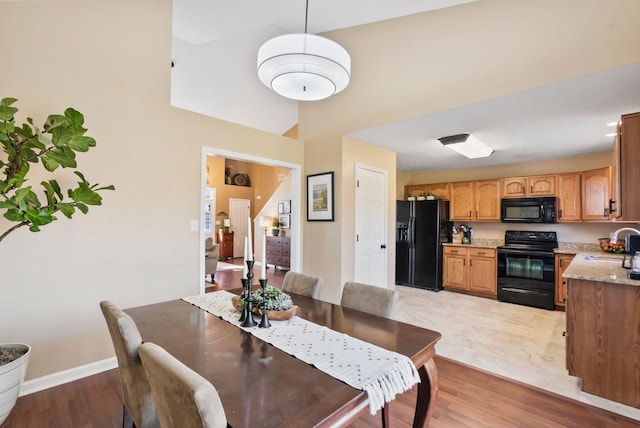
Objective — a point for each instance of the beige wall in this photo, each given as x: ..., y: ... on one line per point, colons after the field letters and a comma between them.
x: 113, y: 65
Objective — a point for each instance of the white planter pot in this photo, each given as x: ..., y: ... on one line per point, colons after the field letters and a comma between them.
x: 11, y: 377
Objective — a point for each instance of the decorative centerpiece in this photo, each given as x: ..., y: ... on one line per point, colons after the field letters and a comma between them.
x: 279, y: 305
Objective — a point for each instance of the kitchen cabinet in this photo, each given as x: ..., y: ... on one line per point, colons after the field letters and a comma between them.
x: 595, y: 194
x: 626, y: 173
x: 471, y: 270
x: 517, y: 187
x: 278, y: 252
x: 225, y: 241
x: 561, y: 263
x: 475, y: 201
x: 569, y: 197
x: 440, y: 190
x: 603, y: 330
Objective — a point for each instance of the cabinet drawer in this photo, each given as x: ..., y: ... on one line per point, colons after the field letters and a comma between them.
x: 482, y: 252
x: 454, y: 250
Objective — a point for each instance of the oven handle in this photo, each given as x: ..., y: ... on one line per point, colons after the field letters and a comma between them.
x: 525, y: 252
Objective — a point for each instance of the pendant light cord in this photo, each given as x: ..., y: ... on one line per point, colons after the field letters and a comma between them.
x: 306, y: 17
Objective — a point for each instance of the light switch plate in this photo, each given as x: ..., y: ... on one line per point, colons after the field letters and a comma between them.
x: 194, y: 225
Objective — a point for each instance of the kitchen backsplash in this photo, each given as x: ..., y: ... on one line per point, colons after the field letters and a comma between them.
x: 567, y: 232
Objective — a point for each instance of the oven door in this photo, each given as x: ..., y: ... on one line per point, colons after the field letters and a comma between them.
x: 526, y: 277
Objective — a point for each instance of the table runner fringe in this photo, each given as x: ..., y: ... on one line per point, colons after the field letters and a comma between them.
x: 381, y: 383
x: 384, y: 389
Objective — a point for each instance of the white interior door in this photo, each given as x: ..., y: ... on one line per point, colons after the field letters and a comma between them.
x: 239, y: 210
x: 370, y: 226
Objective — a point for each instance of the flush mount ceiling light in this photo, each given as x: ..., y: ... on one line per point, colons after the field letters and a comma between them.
x: 467, y: 145
x: 304, y: 67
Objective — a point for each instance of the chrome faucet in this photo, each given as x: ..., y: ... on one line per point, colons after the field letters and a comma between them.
x: 614, y: 235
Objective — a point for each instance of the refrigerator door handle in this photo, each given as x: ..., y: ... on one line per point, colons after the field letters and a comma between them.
x: 411, y: 227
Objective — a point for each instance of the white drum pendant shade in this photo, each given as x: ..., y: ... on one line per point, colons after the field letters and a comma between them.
x: 303, y: 66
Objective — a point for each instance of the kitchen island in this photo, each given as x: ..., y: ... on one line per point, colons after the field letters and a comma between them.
x: 603, y: 327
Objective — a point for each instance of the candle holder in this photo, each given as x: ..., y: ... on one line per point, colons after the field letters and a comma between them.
x: 264, y: 322
x: 244, y: 297
x: 248, y: 320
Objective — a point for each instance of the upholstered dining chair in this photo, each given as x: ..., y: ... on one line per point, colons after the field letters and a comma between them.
x: 369, y: 298
x: 302, y: 283
x: 185, y: 399
x: 138, y: 407
x: 376, y: 301
x: 211, y: 256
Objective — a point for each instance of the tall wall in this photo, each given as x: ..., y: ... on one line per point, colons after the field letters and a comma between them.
x: 111, y: 61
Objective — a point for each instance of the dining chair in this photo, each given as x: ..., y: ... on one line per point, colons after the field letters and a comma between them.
x: 369, y: 298
x: 376, y: 301
x: 185, y: 399
x: 302, y: 283
x: 138, y: 407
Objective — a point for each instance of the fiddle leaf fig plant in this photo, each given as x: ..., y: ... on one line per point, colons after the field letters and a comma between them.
x: 54, y: 146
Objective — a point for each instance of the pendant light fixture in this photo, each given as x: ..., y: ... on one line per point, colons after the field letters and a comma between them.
x: 304, y: 67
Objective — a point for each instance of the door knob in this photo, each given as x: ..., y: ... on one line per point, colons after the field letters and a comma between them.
x: 383, y: 246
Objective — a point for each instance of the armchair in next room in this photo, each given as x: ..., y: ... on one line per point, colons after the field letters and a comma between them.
x: 211, y: 255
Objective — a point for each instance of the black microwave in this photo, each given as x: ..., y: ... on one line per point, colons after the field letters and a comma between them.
x: 528, y: 210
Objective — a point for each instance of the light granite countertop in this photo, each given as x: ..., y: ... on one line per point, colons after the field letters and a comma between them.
x: 479, y: 243
x: 599, y: 266
x: 576, y: 247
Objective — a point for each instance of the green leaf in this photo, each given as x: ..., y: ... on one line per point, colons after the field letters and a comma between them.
x: 66, y: 209
x: 61, y: 136
x: 54, y: 121
x: 7, y: 113
x: 83, y: 208
x: 64, y: 156
x: 81, y: 144
x: 7, y: 101
x: 34, y: 228
x: 7, y: 127
x: 56, y: 188
x: 38, y: 217
x: 85, y: 195
x: 6, y: 204
x: 14, y: 215
x: 109, y: 187
x: 49, y: 163
x: 21, y: 194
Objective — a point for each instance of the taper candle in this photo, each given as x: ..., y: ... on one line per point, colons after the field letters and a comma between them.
x: 245, y: 269
x: 263, y: 271
x: 250, y: 245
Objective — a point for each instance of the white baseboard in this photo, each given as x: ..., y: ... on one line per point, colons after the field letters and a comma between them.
x: 65, y: 376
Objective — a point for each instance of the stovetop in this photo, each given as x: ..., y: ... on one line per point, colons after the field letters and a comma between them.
x: 530, y: 240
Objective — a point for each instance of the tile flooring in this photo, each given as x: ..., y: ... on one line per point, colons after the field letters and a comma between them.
x: 518, y: 342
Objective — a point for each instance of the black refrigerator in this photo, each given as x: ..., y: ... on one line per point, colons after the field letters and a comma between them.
x: 421, y: 228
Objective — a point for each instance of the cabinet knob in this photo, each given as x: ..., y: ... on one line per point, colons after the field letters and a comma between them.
x: 564, y: 333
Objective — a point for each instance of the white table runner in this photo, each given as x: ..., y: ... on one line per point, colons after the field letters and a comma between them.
x: 381, y: 373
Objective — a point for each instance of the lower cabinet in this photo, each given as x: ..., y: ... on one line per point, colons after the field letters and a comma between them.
x: 279, y: 252
x: 470, y: 270
x: 561, y: 263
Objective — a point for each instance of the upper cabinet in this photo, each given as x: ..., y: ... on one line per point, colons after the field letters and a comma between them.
x: 517, y: 187
x: 627, y: 169
x: 475, y: 201
x: 440, y: 190
x: 595, y: 194
x: 569, y: 197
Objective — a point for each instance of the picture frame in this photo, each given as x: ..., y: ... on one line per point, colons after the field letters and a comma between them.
x: 281, y: 208
x: 285, y: 221
x: 320, y: 197
x: 287, y: 206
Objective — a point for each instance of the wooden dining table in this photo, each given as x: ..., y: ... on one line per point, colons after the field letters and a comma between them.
x: 262, y: 386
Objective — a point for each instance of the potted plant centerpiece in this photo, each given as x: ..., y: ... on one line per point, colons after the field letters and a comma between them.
x: 24, y: 148
x: 275, y: 231
x: 279, y: 304
x: 431, y: 196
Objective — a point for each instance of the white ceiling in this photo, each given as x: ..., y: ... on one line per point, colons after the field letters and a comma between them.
x: 215, y: 43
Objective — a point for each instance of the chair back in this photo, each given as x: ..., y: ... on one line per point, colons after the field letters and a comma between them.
x: 369, y: 298
x: 185, y: 399
x: 302, y: 283
x: 136, y: 392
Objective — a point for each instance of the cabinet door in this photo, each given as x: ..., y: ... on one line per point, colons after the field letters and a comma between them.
x: 441, y: 190
x: 569, y: 197
x: 562, y: 262
x: 415, y: 190
x: 482, y: 271
x: 461, y: 205
x: 454, y: 270
x: 595, y: 194
x: 487, y: 197
x: 629, y: 170
x: 544, y: 185
x: 514, y: 187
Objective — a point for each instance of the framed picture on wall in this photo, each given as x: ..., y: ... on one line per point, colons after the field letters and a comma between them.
x: 287, y: 206
x: 284, y: 220
x: 281, y: 208
x: 320, y: 197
